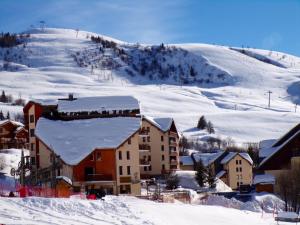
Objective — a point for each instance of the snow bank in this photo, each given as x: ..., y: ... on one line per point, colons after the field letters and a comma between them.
x: 263, y: 201
x: 118, y: 211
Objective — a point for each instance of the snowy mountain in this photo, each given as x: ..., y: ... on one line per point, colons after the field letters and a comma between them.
x: 226, y: 84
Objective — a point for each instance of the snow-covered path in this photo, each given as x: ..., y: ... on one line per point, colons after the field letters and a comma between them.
x: 119, y: 210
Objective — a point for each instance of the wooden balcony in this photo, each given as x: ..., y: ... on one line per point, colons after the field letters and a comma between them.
x: 173, y: 134
x: 173, y: 153
x: 172, y: 143
x: 144, y: 148
x: 98, y: 177
x: 144, y: 162
x: 144, y: 133
x: 173, y: 162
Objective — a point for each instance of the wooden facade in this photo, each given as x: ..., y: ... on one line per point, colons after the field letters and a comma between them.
x: 12, y: 135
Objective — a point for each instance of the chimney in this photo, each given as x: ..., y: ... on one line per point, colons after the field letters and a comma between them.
x: 71, y: 97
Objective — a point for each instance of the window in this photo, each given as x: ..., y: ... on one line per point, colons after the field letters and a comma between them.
x: 128, y: 170
x: 150, y: 168
x: 129, y: 141
x: 148, y: 129
x: 128, y: 155
x: 31, y: 118
x: 240, y: 162
x: 163, y: 166
x: 98, y: 156
x: 162, y: 147
x: 144, y: 139
x: 240, y: 169
x: 32, y: 147
x: 162, y: 157
x: 236, y: 162
x: 145, y: 168
x: 31, y: 132
x: 32, y: 159
x: 120, y: 170
x: 238, y: 184
x: 237, y: 169
x: 149, y: 157
x: 1, y: 130
x: 92, y: 157
x: 148, y: 138
x: 120, y: 155
x: 162, y: 138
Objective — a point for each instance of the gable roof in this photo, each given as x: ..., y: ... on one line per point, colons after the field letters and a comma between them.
x: 163, y: 124
x: 276, y: 148
x: 76, y: 139
x: 98, y: 103
x: 231, y: 155
x: 207, y: 158
x: 15, y: 123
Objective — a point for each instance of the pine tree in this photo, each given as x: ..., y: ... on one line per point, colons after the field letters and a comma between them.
x: 210, y: 128
x: 211, y: 178
x: 201, y: 173
x: 202, y: 124
x: 192, y: 72
x: 3, y: 97
x: 172, y: 181
x: 8, y: 115
x: 1, y: 115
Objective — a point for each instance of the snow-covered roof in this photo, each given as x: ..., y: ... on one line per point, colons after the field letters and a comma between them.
x: 231, y: 155
x: 76, y: 139
x: 264, y: 179
x: 46, y: 101
x: 99, y: 103
x: 207, y: 158
x: 265, y: 147
x: 273, y: 150
x: 16, y: 123
x: 186, y: 160
x: 163, y: 124
x: 221, y: 174
x: 66, y: 179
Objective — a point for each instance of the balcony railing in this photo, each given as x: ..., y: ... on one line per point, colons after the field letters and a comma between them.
x: 144, y: 147
x: 98, y: 177
x: 171, y: 133
x: 144, y: 133
x: 144, y: 162
x: 173, y: 153
x: 173, y: 143
x: 173, y: 162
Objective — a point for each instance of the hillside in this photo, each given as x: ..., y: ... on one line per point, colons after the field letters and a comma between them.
x: 227, y: 85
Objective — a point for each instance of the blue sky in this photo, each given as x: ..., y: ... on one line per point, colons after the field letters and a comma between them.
x: 268, y: 24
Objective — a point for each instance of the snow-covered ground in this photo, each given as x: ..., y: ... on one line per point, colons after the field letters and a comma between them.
x: 237, y: 109
x: 121, y: 210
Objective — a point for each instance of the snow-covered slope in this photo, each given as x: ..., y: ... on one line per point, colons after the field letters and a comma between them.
x: 120, y: 210
x: 227, y: 86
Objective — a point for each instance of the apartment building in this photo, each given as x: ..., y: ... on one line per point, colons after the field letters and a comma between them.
x: 94, y: 141
x: 158, y: 146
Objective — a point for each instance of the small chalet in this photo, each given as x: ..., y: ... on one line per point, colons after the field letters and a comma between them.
x: 233, y: 168
x: 237, y: 169
x: 12, y: 135
x: 281, y: 154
